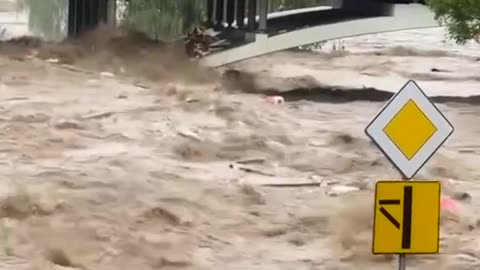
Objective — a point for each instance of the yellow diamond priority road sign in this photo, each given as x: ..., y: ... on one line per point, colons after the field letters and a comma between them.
x: 409, y: 129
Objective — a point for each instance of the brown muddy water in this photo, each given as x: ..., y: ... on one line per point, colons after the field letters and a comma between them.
x: 143, y: 161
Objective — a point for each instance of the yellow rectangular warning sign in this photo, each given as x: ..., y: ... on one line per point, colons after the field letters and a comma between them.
x: 407, y: 217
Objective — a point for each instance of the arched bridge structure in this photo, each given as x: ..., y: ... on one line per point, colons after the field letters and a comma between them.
x: 266, y: 33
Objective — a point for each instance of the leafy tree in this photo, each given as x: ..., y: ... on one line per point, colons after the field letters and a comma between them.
x: 461, y: 17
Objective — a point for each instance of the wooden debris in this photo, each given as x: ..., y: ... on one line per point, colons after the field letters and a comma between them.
x: 254, y: 171
x: 141, y: 85
x: 293, y: 185
x: 252, y: 160
x: 189, y: 134
x: 99, y: 115
x: 76, y: 69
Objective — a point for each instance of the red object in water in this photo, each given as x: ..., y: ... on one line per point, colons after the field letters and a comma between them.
x: 450, y: 205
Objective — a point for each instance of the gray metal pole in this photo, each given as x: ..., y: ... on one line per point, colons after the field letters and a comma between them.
x: 219, y: 9
x: 263, y: 13
x: 230, y: 12
x: 251, y: 14
x: 210, y: 13
x: 402, y: 262
x: 240, y: 13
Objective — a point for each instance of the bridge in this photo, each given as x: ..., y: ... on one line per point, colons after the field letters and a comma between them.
x: 246, y: 29
x: 268, y: 33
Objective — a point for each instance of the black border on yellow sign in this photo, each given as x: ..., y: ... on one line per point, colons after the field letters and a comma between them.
x: 385, y: 107
x: 375, y: 215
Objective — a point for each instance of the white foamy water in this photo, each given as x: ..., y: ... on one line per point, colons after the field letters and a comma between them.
x: 403, y: 56
x: 421, y: 39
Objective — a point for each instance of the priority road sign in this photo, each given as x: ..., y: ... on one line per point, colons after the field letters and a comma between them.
x: 409, y: 129
x: 407, y: 217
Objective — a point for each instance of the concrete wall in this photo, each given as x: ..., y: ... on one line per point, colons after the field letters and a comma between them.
x: 13, y: 20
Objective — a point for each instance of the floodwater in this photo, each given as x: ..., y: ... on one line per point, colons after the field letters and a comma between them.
x: 420, y: 39
x: 152, y: 163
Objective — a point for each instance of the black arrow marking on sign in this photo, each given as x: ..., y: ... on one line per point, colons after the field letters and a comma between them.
x: 387, y: 214
x: 390, y: 217
x: 407, y: 217
x: 383, y: 202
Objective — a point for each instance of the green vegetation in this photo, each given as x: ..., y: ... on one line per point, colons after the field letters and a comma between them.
x: 163, y: 19
x: 461, y: 17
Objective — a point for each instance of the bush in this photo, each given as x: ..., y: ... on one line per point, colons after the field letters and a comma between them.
x: 461, y: 17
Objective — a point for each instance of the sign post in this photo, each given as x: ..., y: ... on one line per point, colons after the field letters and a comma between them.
x: 402, y: 262
x: 408, y: 130
x: 402, y: 259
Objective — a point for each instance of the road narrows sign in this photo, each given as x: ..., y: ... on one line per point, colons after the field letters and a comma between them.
x: 407, y: 217
x: 409, y: 129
